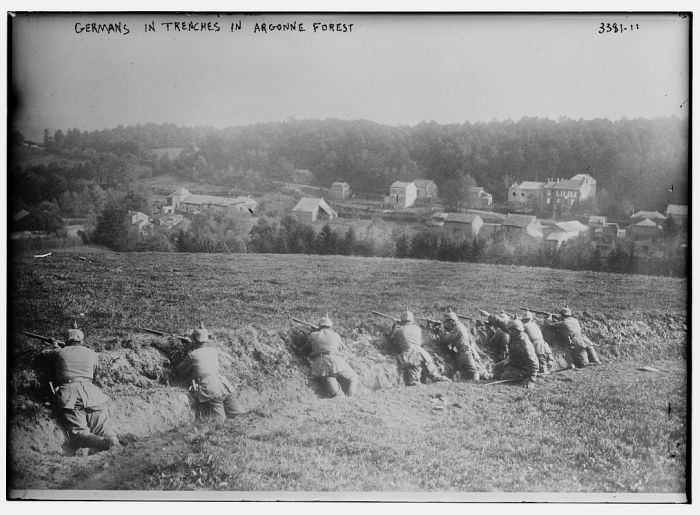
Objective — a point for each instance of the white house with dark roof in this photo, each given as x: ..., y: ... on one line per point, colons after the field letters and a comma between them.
x: 462, y: 226
x: 310, y: 209
x: 402, y: 194
x: 519, y: 225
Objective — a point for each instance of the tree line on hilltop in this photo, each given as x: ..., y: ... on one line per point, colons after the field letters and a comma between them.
x: 638, y: 162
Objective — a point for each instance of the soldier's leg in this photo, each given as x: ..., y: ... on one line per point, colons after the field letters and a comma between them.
x: 99, y: 423
x: 214, y: 409
x: 511, y: 373
x: 592, y: 354
x: 348, y: 380
x: 331, y: 386
x: 579, y: 357
x: 411, y: 375
x: 232, y: 407
x: 430, y: 368
x: 79, y: 432
x: 470, y: 372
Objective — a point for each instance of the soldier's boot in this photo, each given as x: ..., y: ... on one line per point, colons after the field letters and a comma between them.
x: 440, y: 379
x: 98, y: 443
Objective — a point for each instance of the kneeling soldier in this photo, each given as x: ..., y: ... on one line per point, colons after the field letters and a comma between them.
x: 413, y: 358
x: 82, y: 404
x: 214, y: 394
x: 328, y: 366
x: 459, y: 340
x: 522, y: 360
x: 542, y: 348
x: 569, y: 330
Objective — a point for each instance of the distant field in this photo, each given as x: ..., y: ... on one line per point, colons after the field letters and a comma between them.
x: 607, y: 429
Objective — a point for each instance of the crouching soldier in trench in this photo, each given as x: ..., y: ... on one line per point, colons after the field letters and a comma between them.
x: 542, y: 348
x: 214, y: 394
x: 82, y: 405
x: 413, y: 358
x: 569, y: 330
x: 499, y: 340
x: 328, y: 366
x: 522, y: 363
x: 460, y: 341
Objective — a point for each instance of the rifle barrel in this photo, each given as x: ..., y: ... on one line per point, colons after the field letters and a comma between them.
x: 44, y: 339
x: 308, y: 324
x: 384, y: 315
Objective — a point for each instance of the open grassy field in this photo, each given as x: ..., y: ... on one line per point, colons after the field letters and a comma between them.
x: 609, y: 429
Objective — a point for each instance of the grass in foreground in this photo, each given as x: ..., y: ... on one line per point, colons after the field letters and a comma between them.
x: 608, y: 429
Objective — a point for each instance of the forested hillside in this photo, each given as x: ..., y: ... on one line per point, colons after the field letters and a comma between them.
x: 638, y: 163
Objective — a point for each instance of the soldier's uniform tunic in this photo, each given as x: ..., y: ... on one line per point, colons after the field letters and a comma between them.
x: 328, y: 365
x: 82, y: 404
x: 582, y: 350
x: 542, y: 348
x: 499, y: 339
x: 522, y: 362
x: 215, y: 394
x: 413, y: 358
x: 460, y: 341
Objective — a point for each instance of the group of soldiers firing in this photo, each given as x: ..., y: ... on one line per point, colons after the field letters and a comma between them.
x: 521, y: 351
x: 521, y: 355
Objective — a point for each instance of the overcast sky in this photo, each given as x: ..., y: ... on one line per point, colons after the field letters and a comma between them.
x: 393, y: 69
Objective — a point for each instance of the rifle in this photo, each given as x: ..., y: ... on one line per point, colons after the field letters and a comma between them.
x: 44, y: 339
x: 385, y: 315
x: 312, y: 326
x: 543, y: 313
x: 185, y: 339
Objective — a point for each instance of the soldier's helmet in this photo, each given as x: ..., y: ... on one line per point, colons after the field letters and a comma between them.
x: 200, y: 335
x: 407, y: 316
x: 517, y: 325
x: 566, y: 312
x: 74, y: 336
x: 451, y: 316
x: 325, y: 322
x: 528, y: 316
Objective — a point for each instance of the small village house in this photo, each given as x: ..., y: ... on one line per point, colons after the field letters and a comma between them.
x: 302, y: 176
x: 527, y: 192
x: 559, y: 233
x: 587, y: 190
x: 402, y: 195
x: 488, y: 216
x: 521, y: 225
x: 311, y: 209
x: 644, y: 230
x: 425, y: 188
x: 461, y: 226
x: 478, y: 197
x: 184, y: 201
x: 597, y: 222
x: 340, y: 190
x: 140, y: 221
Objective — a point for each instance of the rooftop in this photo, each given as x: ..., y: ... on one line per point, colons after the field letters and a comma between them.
x: 519, y: 220
x: 462, y: 218
x: 308, y: 204
x: 565, y: 184
x: 400, y: 184
x: 648, y: 214
x: 530, y: 185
